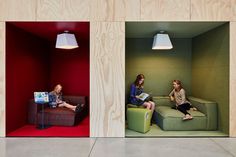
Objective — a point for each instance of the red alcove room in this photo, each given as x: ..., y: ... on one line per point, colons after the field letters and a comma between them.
x: 34, y: 64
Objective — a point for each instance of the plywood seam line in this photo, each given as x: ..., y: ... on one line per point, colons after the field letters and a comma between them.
x: 36, y: 11
x: 190, y: 11
x: 140, y: 10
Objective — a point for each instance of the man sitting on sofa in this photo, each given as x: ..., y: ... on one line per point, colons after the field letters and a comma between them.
x: 55, y: 100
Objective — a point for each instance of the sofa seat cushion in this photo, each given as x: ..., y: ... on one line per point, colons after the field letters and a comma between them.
x: 166, y: 111
x: 171, y: 119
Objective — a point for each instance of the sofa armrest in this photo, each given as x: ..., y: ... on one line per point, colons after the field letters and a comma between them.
x: 33, y: 109
x: 209, y: 108
x: 139, y: 119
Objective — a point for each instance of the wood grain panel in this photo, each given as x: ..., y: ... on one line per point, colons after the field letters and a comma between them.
x: 18, y: 10
x: 232, y: 81
x: 2, y: 5
x: 148, y: 10
x: 119, y: 10
x: 163, y: 10
x: 107, y: 79
x: 126, y: 10
x: 115, y: 10
x: 173, y: 10
x: 210, y: 10
x: 63, y: 10
x: 102, y: 10
x: 2, y: 79
x: 233, y: 9
x: 50, y: 9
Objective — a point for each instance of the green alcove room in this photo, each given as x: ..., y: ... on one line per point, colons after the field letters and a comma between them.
x: 199, y: 58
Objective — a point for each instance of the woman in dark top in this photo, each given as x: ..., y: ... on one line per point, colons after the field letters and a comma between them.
x: 55, y: 100
x: 135, y: 90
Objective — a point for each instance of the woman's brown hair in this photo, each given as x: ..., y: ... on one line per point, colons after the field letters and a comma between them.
x: 138, y: 78
x: 178, y: 82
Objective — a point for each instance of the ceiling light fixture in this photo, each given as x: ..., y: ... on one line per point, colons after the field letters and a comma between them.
x: 161, y: 41
x: 66, y: 40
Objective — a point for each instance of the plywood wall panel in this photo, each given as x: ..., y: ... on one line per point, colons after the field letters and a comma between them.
x: 163, y: 10
x: 102, y: 10
x: 233, y: 9
x: 2, y: 5
x: 211, y: 10
x: 148, y: 10
x: 173, y: 10
x: 63, y: 10
x: 50, y: 9
x: 121, y: 10
x: 17, y: 10
x: 115, y: 10
x: 132, y: 10
x: 2, y: 79
x: 107, y: 78
x: 232, y: 80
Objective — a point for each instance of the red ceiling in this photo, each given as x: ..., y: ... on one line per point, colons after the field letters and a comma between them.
x: 49, y: 30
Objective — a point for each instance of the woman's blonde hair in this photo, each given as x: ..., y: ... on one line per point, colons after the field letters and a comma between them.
x: 57, y: 87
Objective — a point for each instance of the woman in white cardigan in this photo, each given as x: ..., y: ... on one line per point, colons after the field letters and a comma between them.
x: 178, y: 95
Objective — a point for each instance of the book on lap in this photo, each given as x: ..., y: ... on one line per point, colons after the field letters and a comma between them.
x: 143, y: 96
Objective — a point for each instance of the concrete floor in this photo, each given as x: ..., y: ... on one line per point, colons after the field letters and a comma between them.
x: 117, y: 147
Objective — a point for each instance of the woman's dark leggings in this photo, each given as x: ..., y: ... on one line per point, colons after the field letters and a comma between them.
x: 184, y: 107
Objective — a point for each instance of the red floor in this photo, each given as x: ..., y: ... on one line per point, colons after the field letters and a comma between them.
x: 81, y: 130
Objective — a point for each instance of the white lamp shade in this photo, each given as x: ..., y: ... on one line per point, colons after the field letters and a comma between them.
x: 66, y: 41
x: 161, y: 42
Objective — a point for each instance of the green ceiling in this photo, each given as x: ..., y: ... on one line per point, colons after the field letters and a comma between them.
x: 174, y: 29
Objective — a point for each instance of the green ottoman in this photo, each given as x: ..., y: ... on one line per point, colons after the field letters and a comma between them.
x: 139, y: 119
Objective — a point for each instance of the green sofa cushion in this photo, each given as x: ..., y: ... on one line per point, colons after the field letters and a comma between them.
x: 169, y: 119
x: 166, y: 111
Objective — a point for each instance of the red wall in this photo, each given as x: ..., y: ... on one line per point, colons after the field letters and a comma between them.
x: 26, y: 71
x: 70, y: 68
x: 33, y: 64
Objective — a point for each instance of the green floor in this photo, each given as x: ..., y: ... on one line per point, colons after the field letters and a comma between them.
x: 156, y: 131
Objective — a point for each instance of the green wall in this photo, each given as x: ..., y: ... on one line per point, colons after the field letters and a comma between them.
x: 159, y: 67
x: 210, y: 70
x: 201, y: 63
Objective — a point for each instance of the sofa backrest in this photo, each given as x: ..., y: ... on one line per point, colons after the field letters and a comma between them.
x: 163, y: 101
x: 74, y: 100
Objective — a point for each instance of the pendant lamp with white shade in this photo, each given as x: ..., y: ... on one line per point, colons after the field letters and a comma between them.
x: 161, y: 41
x: 66, y: 40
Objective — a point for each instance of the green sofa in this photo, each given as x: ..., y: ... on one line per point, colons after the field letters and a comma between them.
x: 170, y: 119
